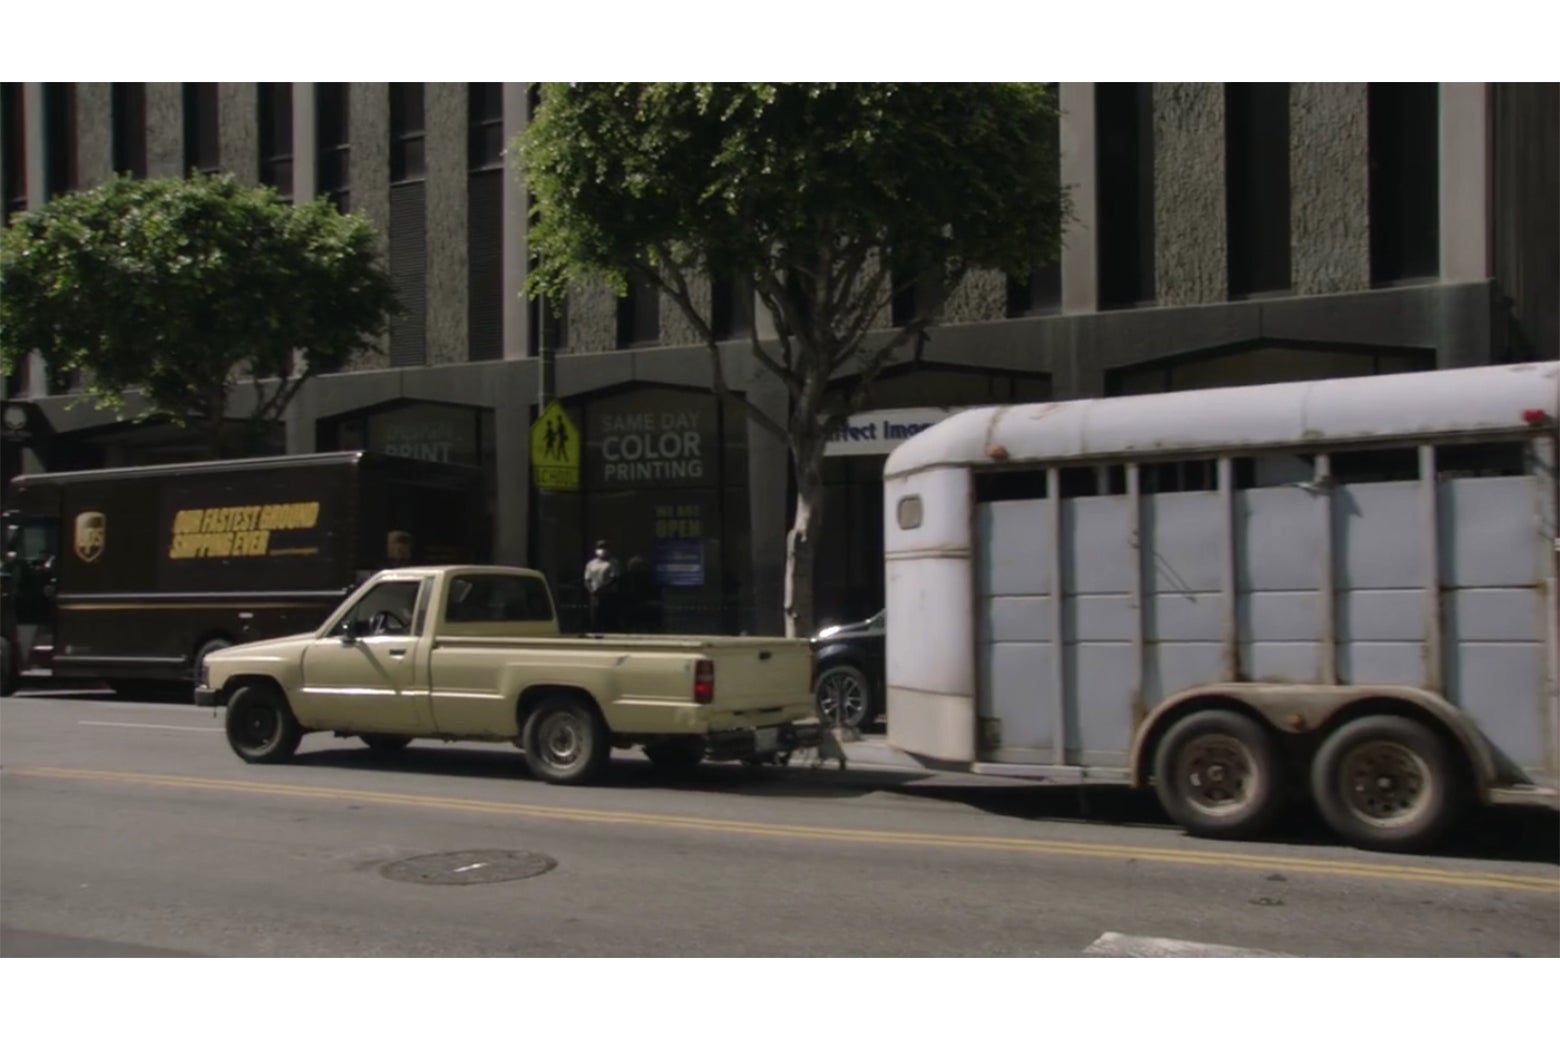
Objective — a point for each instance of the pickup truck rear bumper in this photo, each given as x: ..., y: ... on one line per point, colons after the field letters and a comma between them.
x: 765, y: 740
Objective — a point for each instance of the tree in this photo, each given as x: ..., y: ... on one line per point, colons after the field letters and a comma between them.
x: 183, y: 288
x: 823, y: 195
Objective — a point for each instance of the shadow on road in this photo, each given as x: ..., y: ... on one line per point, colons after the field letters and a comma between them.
x: 1511, y: 834
x: 76, y: 690
x: 626, y: 773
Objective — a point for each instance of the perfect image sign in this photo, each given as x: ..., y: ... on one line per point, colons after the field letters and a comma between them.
x: 878, y: 433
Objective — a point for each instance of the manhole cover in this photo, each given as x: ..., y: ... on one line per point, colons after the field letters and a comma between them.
x: 469, y: 868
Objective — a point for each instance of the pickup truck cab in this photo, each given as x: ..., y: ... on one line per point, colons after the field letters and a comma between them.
x: 474, y: 653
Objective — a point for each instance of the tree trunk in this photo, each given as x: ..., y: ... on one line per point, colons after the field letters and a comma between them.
x: 801, y: 541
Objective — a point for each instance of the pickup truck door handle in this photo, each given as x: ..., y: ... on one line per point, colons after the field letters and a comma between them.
x: 398, y: 653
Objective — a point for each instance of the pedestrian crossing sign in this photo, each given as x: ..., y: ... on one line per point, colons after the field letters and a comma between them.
x: 555, y: 450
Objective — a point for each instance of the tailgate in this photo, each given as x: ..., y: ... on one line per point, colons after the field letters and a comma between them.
x: 754, y: 677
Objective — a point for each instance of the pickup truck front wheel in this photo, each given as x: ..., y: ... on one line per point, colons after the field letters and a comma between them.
x: 261, y: 728
x: 565, y: 742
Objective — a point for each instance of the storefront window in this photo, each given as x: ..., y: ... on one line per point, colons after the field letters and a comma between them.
x: 666, y: 489
x: 421, y: 430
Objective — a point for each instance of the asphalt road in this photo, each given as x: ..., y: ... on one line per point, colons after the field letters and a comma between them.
x: 129, y: 829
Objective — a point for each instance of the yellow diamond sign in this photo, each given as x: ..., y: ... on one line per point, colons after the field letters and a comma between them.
x: 555, y: 450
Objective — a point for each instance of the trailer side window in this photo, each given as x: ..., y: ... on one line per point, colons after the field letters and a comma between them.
x: 1376, y: 466
x: 908, y: 512
x: 1503, y: 459
x: 1090, y: 481
x: 1185, y: 475
x: 1009, y: 485
x: 1272, y: 470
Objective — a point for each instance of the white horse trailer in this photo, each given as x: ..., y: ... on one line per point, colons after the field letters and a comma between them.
x: 1342, y: 590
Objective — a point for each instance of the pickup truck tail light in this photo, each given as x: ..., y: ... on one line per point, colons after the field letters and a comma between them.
x: 704, y: 682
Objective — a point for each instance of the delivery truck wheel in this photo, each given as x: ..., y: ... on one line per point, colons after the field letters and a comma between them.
x: 565, y: 741
x: 261, y: 728
x: 1388, y: 783
x: 1217, y: 774
x: 210, y: 646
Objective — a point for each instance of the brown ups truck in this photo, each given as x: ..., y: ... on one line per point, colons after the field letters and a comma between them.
x: 131, y: 576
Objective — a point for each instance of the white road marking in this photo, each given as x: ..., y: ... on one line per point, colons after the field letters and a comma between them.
x: 152, y: 725
x: 1114, y: 944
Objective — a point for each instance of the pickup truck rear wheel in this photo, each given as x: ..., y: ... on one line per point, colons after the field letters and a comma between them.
x: 261, y: 728
x: 565, y: 742
x: 676, y: 753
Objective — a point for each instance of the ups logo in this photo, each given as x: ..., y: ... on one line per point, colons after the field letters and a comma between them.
x: 91, y: 533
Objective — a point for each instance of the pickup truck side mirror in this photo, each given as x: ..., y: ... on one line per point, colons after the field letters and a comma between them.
x: 347, y: 630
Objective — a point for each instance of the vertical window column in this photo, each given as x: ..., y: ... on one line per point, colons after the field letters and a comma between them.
x: 1256, y: 171
x: 332, y: 143
x: 485, y: 221
x: 276, y: 136
x: 59, y: 115
x: 202, y: 150
x: 1041, y: 291
x: 1404, y: 134
x: 1124, y: 128
x: 128, y: 101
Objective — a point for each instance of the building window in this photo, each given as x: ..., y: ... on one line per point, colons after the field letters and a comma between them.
x: 59, y: 121
x: 485, y: 265
x: 1256, y: 172
x: 13, y: 121
x: 485, y: 125
x: 128, y: 101
x: 1405, y: 233
x: 201, y: 150
x: 276, y: 136
x: 1124, y: 116
x: 332, y: 142
x: 731, y: 307
x: 1040, y: 290
x: 639, y: 315
x: 913, y: 290
x: 407, y: 133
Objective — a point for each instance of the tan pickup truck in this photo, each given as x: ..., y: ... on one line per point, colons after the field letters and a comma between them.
x: 474, y: 653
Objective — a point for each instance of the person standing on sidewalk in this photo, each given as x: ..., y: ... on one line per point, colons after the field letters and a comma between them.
x: 601, y: 581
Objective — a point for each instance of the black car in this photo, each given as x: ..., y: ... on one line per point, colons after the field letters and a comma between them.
x: 848, y: 665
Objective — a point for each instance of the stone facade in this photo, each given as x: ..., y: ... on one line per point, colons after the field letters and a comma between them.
x: 445, y: 119
x: 1191, y: 262
x: 238, y: 130
x: 1329, y: 183
x: 94, y: 134
x: 676, y: 329
x: 369, y: 136
x: 164, y: 130
x: 981, y: 296
x: 592, y: 320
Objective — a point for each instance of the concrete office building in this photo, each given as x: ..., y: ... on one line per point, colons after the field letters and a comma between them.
x: 1225, y: 234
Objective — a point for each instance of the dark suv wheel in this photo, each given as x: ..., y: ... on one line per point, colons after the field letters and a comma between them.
x: 845, y: 697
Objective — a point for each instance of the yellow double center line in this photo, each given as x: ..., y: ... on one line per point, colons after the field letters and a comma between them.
x: 1183, y: 857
